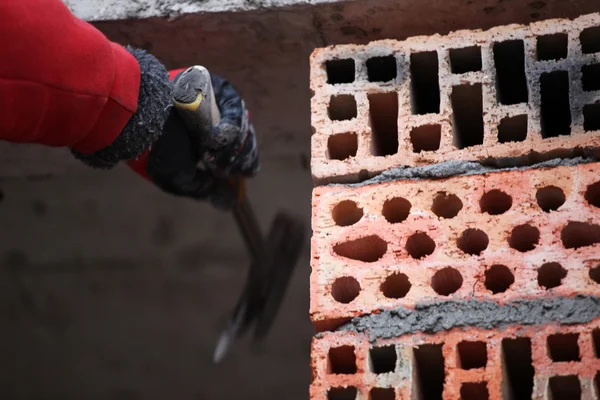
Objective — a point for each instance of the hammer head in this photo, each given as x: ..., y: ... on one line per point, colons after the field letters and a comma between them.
x: 285, y: 242
x: 260, y: 301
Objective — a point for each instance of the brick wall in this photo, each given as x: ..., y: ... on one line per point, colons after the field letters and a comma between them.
x: 512, y: 91
x: 510, y: 96
x: 498, y: 236
x: 548, y: 362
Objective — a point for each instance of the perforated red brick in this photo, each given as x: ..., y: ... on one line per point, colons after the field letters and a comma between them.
x: 499, y: 236
x: 539, y: 362
x: 511, y: 91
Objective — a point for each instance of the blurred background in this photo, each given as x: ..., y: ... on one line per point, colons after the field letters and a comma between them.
x: 110, y: 289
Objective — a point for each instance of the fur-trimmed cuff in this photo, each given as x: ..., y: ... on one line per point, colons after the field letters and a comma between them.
x: 146, y: 125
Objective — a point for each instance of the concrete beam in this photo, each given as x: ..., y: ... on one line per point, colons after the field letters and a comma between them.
x: 264, y: 47
x: 110, y: 10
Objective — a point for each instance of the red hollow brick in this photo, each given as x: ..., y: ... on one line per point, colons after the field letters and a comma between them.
x: 463, y: 364
x: 511, y: 91
x: 498, y: 236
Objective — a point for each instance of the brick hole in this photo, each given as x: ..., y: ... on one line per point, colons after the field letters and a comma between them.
x: 420, y: 245
x: 580, y: 234
x: 340, y: 71
x: 382, y: 359
x: 426, y: 138
x: 466, y: 59
x: 591, y: 117
x: 495, y: 202
x: 592, y: 194
x: 473, y: 241
x: 446, y: 281
x: 382, y: 394
x: 550, y: 275
x: 383, y: 112
x: 366, y: 249
x: 342, y: 360
x: 467, y: 115
x: 555, y: 115
x: 550, y: 198
x: 446, y: 205
x: 524, y: 238
x: 596, y: 343
x: 512, y: 129
x: 381, y: 69
x: 552, y: 47
x: 346, y: 213
x: 425, y: 86
x: 563, y: 347
x: 429, y: 362
x: 564, y: 387
x: 590, y: 77
x: 342, y: 393
x: 474, y: 391
x: 590, y: 40
x: 342, y: 107
x: 595, y: 274
x: 344, y: 290
x: 498, y: 278
x: 396, y: 286
x: 342, y: 146
x: 363, y: 175
x: 396, y: 210
x: 472, y: 355
x: 511, y: 83
x: 518, y: 371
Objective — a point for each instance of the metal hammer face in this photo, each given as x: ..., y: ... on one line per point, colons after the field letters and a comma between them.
x: 285, y: 241
x: 266, y: 284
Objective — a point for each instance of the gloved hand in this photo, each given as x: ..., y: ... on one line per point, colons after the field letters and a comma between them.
x: 230, y: 148
x: 231, y: 145
x: 110, y: 104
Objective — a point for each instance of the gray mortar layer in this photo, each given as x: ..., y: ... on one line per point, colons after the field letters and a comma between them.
x: 438, y: 316
x: 458, y: 168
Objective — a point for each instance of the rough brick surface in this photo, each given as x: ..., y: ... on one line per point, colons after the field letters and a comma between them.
x: 511, y: 91
x: 499, y: 236
x: 544, y: 362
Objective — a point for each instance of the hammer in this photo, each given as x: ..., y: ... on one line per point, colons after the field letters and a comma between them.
x: 272, y: 260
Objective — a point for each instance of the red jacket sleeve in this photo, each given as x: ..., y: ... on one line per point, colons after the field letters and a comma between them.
x: 62, y: 82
